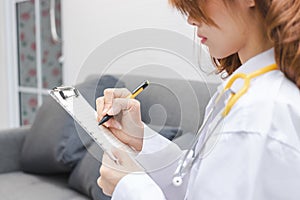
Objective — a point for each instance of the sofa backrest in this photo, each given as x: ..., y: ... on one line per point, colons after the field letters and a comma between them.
x: 171, y: 102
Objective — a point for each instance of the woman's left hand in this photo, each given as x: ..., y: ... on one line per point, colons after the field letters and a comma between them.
x: 111, y: 173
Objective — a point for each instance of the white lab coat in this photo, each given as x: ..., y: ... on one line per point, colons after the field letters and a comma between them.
x: 256, y: 157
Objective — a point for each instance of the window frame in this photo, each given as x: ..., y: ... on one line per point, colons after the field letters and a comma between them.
x: 12, y: 61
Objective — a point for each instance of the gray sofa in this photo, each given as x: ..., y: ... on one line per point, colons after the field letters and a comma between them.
x: 16, y: 184
x: 170, y: 106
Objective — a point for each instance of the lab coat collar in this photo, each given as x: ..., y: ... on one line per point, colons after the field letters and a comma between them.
x: 257, y: 62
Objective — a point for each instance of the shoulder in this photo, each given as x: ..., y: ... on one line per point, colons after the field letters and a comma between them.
x: 285, y: 118
x: 270, y: 107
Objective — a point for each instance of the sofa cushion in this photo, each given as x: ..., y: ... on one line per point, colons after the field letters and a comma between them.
x: 168, y: 132
x: 84, y: 177
x: 172, y: 102
x: 22, y: 186
x: 55, y: 143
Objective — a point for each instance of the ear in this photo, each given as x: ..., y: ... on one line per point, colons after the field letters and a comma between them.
x: 250, y: 3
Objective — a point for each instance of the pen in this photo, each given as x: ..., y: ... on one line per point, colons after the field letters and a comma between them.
x: 135, y: 92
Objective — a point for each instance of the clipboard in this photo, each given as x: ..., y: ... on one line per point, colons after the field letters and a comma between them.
x: 80, y: 110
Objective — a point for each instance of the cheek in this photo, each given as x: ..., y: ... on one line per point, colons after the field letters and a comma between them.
x: 224, y: 43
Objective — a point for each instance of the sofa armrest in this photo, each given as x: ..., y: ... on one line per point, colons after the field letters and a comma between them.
x: 11, y: 142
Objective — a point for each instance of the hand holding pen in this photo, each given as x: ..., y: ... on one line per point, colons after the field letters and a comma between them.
x: 136, y: 92
x: 126, y: 123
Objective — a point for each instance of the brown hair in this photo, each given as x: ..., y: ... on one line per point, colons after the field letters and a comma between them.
x: 282, y: 19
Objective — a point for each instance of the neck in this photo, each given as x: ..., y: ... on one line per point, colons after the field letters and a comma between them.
x: 257, y: 42
x: 253, y: 50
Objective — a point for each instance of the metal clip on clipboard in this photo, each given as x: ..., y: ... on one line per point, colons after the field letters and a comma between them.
x: 63, y: 89
x: 74, y: 103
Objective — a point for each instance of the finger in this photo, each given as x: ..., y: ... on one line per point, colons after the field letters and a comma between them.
x: 118, y: 92
x: 104, y: 185
x: 135, y: 141
x: 127, y: 162
x: 99, y: 182
x: 123, y: 104
x: 107, y: 165
x: 106, y: 161
x: 99, y: 107
x: 103, y: 170
x: 111, y: 93
x: 107, y: 192
x: 113, y: 123
x: 107, y: 170
x: 120, y: 155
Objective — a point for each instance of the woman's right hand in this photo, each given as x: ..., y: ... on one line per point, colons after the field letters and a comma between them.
x: 126, y: 124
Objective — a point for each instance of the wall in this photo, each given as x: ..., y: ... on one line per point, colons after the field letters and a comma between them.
x: 4, y: 122
x: 88, y: 24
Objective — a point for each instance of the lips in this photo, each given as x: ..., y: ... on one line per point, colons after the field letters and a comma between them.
x: 202, y: 38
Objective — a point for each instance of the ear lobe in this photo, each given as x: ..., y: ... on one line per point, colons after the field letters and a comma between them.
x: 250, y: 3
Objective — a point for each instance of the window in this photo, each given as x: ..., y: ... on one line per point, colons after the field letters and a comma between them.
x: 38, y: 54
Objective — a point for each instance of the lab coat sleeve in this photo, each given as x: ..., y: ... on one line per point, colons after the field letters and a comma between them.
x: 159, y: 158
x: 137, y: 187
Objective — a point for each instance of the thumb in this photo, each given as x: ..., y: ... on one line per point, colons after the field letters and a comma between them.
x: 113, y: 123
x: 127, y: 162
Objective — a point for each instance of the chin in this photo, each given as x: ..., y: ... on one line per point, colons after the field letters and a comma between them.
x: 220, y: 54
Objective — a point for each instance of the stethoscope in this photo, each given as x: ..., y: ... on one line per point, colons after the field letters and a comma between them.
x: 216, y: 114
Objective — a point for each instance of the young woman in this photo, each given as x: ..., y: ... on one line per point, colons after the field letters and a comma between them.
x: 258, y: 154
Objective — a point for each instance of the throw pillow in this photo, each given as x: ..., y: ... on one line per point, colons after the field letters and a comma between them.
x: 56, y: 143
x: 84, y: 177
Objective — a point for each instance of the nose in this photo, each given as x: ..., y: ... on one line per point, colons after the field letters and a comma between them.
x: 192, y: 21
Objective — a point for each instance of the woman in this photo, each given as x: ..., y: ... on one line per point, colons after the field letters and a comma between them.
x: 258, y: 155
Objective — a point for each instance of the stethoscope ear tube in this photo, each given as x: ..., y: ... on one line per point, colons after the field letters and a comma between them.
x: 187, y: 161
x: 183, y: 167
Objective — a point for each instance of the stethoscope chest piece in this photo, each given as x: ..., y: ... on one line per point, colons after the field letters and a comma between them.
x: 177, y: 181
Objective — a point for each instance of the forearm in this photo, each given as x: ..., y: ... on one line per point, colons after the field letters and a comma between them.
x: 159, y: 157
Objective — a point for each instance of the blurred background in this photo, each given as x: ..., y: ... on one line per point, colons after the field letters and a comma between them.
x: 43, y: 44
